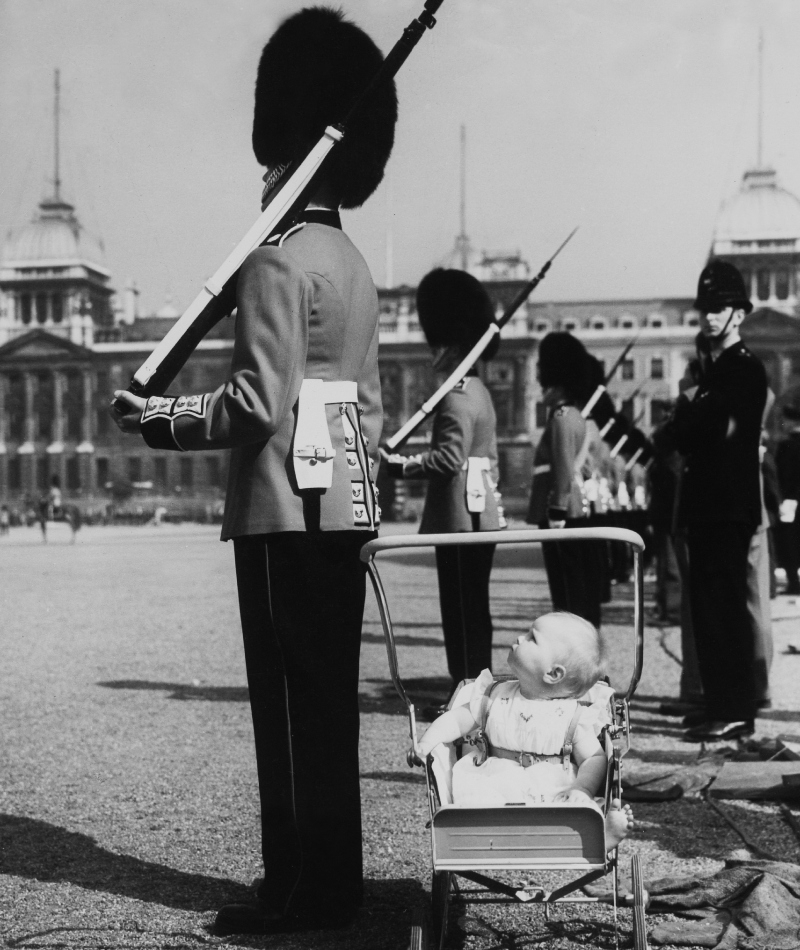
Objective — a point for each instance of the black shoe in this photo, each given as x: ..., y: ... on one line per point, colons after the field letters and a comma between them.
x: 255, y: 918
x: 717, y: 731
x: 697, y: 717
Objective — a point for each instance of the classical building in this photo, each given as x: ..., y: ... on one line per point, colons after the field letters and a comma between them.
x: 67, y: 341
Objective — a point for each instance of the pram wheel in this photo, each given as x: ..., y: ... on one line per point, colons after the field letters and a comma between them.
x: 419, y: 929
x: 441, y: 886
x: 639, y: 901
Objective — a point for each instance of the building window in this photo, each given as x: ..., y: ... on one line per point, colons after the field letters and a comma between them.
x: 542, y: 326
x: 57, y: 303
x: 627, y: 323
x: 782, y: 284
x: 101, y: 399
x: 657, y: 367
x: 599, y: 323
x: 187, y: 472
x: 102, y: 472
x: 134, y: 468
x: 73, y: 405
x: 627, y: 369
x: 628, y: 409
x: 160, y: 472
x: 41, y: 308
x: 25, y: 308
x: 73, y: 473
x: 541, y: 415
x: 569, y: 325
x: 14, y: 473
x: 42, y: 473
x: 762, y: 284
x: 655, y: 321
x: 44, y: 405
x: 16, y: 407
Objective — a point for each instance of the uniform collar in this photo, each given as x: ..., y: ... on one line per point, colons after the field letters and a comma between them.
x: 327, y: 216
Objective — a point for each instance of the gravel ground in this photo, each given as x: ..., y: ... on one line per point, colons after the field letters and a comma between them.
x: 128, y: 803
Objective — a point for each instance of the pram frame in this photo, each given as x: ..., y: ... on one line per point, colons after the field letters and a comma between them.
x: 615, y: 737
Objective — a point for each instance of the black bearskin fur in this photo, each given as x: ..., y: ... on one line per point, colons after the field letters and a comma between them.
x: 310, y: 73
x: 455, y: 310
x: 563, y: 361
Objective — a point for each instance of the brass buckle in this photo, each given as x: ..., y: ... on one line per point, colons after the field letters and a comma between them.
x: 530, y: 758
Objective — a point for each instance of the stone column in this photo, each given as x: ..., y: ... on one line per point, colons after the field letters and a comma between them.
x: 3, y: 434
x: 88, y: 475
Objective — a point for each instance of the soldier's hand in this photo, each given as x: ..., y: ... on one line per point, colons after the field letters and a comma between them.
x: 129, y: 422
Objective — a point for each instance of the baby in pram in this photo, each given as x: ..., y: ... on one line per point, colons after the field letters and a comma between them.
x: 539, y: 742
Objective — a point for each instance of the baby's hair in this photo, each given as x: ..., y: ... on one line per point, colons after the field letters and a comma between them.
x: 584, y: 655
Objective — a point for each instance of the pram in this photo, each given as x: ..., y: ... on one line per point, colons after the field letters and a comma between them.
x: 469, y: 841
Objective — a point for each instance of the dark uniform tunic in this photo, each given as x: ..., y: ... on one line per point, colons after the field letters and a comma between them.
x: 573, y: 568
x: 719, y: 434
x: 306, y: 310
x: 464, y: 427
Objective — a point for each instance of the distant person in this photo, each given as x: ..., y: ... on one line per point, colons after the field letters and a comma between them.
x: 43, y: 515
x: 787, y: 462
x: 5, y: 520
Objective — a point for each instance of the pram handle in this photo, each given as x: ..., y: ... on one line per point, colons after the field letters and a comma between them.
x: 527, y: 536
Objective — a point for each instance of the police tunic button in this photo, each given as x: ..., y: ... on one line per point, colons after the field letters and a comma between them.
x: 349, y: 440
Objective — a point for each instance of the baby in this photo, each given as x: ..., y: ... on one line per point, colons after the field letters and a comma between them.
x: 542, y: 744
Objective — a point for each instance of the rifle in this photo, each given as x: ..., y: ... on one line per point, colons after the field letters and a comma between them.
x: 472, y: 357
x: 285, y: 203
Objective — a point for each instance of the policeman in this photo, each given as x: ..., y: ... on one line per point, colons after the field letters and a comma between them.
x: 460, y: 466
x: 302, y: 414
x: 718, y: 432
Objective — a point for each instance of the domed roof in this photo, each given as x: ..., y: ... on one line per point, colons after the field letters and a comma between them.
x: 761, y: 210
x: 55, y: 234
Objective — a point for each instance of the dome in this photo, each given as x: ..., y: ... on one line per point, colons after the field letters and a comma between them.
x: 54, y: 235
x: 761, y: 211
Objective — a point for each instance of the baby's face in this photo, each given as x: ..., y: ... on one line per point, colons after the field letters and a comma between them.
x: 538, y: 650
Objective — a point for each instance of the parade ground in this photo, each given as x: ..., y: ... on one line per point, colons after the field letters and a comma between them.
x: 128, y: 799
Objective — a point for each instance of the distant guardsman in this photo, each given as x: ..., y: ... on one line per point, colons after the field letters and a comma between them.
x: 460, y: 466
x: 718, y: 433
x: 302, y: 413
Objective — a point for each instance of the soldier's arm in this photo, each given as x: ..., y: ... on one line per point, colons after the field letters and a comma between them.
x: 269, y: 354
x: 450, y: 441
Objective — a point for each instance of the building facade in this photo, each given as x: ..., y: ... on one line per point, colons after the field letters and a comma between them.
x: 67, y: 341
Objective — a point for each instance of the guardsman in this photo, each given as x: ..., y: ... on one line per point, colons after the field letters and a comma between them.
x: 718, y: 433
x: 561, y: 462
x: 302, y: 414
x: 460, y: 466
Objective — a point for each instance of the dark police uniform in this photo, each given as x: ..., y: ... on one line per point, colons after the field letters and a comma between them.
x: 462, y: 458
x: 718, y: 433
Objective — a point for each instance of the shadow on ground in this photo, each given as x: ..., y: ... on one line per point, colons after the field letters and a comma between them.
x: 214, y: 694
x: 41, y: 851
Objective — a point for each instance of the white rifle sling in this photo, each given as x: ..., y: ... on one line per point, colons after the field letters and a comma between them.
x: 312, y: 449
x: 476, y: 487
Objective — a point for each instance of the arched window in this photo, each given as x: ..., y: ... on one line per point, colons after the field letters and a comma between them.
x: 782, y: 284
x: 44, y: 405
x: 25, y: 308
x: 57, y: 304
x: 41, y: 308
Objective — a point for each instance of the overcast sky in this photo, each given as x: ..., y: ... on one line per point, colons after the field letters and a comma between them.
x: 634, y: 120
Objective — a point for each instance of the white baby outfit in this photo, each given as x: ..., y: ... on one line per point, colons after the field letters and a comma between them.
x: 538, y: 726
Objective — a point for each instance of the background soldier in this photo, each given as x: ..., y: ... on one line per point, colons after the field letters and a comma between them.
x: 300, y: 409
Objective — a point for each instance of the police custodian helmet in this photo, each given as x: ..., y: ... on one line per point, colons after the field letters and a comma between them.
x: 720, y: 286
x: 455, y: 310
x: 313, y: 68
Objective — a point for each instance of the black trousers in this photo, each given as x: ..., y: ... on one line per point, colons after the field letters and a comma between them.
x: 464, y: 600
x: 575, y: 574
x: 723, y: 630
x: 301, y: 598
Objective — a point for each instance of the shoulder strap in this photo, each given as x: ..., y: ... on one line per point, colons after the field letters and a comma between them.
x: 485, y: 705
x: 569, y: 737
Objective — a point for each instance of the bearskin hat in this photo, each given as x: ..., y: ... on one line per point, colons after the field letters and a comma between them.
x: 455, y: 310
x: 721, y: 285
x: 311, y: 72
x: 563, y: 361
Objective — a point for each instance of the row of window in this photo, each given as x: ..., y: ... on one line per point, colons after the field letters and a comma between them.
x: 762, y: 282
x: 190, y: 472
x: 659, y: 409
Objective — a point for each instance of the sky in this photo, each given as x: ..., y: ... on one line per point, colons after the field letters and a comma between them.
x: 633, y: 120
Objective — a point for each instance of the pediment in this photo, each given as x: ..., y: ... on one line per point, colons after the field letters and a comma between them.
x: 40, y: 346
x: 768, y: 323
